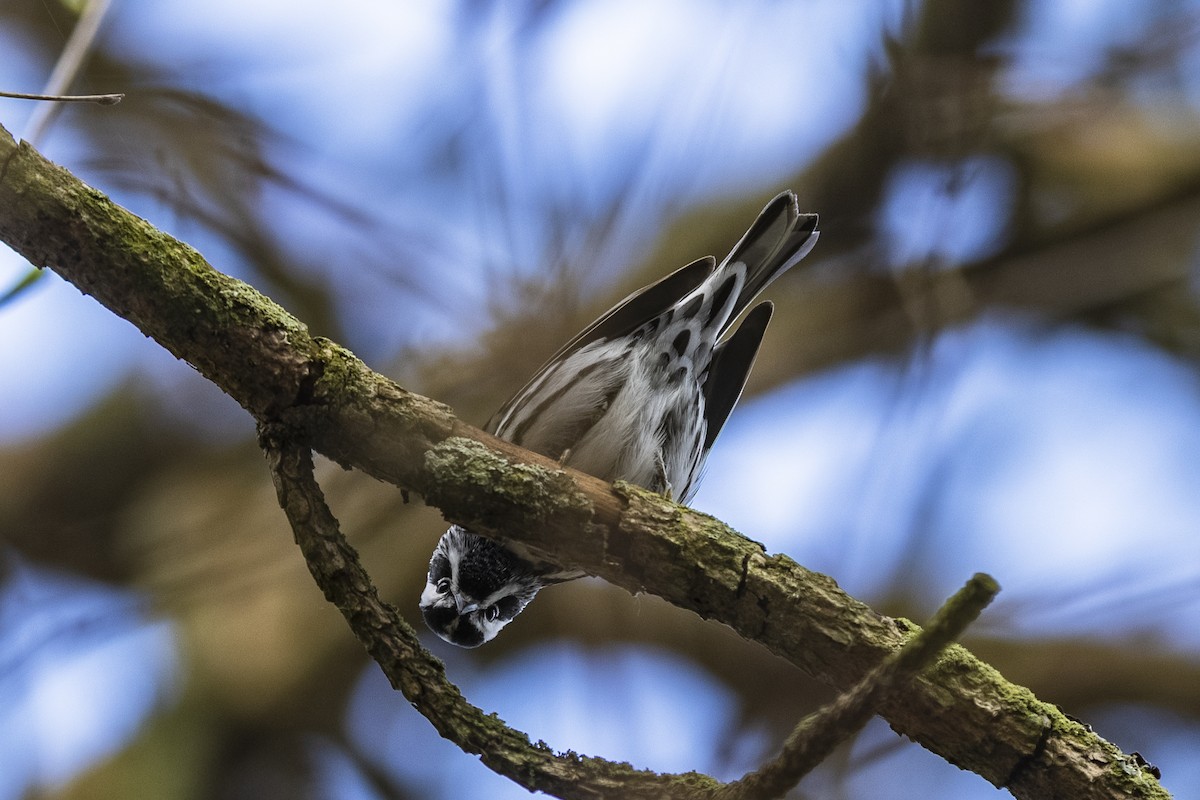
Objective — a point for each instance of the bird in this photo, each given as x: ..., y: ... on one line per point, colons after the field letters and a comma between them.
x: 639, y: 395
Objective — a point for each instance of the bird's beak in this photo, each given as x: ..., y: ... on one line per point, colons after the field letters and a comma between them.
x: 464, y: 608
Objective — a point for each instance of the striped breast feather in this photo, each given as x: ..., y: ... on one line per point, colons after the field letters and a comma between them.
x: 623, y: 318
x: 779, y: 237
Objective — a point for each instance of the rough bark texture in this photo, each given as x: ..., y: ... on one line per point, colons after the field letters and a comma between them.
x: 264, y: 358
x: 422, y: 679
x: 413, y: 671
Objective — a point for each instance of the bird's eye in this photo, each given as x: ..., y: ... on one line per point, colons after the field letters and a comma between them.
x: 492, y: 613
x: 443, y: 585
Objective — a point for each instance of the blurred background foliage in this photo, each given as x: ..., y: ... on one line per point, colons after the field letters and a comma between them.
x: 988, y: 363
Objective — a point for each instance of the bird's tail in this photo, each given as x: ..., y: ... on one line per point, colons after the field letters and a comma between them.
x: 779, y: 238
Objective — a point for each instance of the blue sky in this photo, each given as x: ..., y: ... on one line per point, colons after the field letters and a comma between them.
x: 357, y: 79
x: 1058, y: 458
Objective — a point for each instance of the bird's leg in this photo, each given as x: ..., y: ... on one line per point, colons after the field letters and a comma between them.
x: 562, y: 460
x: 663, y: 480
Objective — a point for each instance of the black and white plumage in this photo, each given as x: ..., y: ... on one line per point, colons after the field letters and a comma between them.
x: 639, y: 395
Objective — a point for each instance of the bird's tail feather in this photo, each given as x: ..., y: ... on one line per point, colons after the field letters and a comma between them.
x: 779, y: 238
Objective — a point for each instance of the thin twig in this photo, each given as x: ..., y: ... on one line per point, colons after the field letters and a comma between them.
x: 815, y: 737
x: 74, y: 53
x: 99, y: 99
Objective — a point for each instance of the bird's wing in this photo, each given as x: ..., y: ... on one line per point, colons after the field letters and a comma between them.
x: 730, y: 366
x: 643, y: 305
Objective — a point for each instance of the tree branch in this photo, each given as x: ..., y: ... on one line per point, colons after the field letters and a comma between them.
x: 815, y: 737
x: 412, y: 670
x: 422, y: 679
x: 267, y: 360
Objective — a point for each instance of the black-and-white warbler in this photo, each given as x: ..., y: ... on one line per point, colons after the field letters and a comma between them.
x: 639, y: 395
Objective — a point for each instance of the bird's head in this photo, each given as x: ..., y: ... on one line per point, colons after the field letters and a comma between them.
x: 475, y: 587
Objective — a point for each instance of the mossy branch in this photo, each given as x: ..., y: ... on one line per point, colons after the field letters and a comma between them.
x: 412, y: 670
x: 268, y: 361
